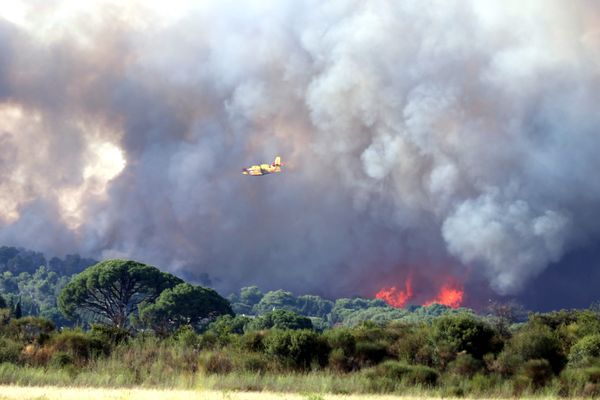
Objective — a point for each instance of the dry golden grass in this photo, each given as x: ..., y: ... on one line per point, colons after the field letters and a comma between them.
x: 72, y: 393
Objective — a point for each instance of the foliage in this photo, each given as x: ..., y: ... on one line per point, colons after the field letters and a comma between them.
x: 464, y: 332
x: 30, y: 329
x: 80, y: 345
x: 392, y: 372
x: 280, y: 319
x: 537, y: 372
x: 585, y: 351
x: 276, y: 300
x: 465, y: 365
x: 247, y: 299
x: 183, y: 304
x: 227, y: 325
x: 536, y: 342
x: 111, y: 290
x: 297, y: 349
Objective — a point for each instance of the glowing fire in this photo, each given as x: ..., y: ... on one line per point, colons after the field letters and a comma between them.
x: 450, y: 294
x: 395, y: 297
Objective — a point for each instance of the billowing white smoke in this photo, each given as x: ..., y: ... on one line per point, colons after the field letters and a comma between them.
x: 449, y: 136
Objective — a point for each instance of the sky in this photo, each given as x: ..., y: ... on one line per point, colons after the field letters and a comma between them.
x: 438, y: 141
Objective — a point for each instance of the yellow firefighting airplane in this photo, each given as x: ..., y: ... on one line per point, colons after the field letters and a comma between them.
x: 263, y: 169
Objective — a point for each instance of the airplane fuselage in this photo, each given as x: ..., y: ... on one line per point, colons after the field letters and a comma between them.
x: 263, y: 169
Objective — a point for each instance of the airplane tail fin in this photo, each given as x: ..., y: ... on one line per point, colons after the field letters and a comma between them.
x: 277, y: 162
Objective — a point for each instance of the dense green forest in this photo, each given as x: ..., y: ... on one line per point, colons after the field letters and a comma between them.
x: 29, y: 279
x: 132, y: 324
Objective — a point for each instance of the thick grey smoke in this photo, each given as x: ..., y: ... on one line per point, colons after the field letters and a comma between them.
x: 448, y: 138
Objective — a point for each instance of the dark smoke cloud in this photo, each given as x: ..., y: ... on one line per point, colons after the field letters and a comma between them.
x: 457, y: 139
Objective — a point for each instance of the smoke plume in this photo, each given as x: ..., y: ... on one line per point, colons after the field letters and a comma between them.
x: 447, y: 138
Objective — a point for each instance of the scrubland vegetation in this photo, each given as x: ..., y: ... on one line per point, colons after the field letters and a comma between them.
x: 134, y: 326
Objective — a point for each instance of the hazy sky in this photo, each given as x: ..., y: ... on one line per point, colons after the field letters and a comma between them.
x: 438, y: 140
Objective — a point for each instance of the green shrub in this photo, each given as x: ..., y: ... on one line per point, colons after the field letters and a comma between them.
x: 415, y: 347
x: 208, y: 341
x: 253, y: 341
x: 338, y: 361
x: 279, y: 319
x: 422, y: 375
x: 341, y: 338
x: 506, y: 364
x: 297, y: 349
x: 216, y: 363
x: 538, y: 342
x: 80, y: 345
x: 109, y: 334
x: 30, y: 329
x: 370, y: 353
x: 10, y: 350
x: 592, y: 374
x: 465, y: 365
x: 465, y: 332
x: 481, y: 383
x: 255, y: 363
x: 187, y: 337
x: 389, y: 373
x: 585, y: 350
x: 537, y: 372
x: 227, y: 325
x: 60, y: 359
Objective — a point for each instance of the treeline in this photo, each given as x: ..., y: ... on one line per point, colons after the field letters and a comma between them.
x: 324, y: 313
x: 142, y: 326
x: 31, y: 283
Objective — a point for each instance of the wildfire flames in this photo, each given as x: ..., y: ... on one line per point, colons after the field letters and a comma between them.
x: 395, y: 297
x: 450, y: 294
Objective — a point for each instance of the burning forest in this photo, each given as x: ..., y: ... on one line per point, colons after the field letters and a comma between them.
x: 469, y: 147
x: 450, y: 294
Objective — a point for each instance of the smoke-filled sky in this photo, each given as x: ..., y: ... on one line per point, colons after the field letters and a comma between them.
x: 429, y: 140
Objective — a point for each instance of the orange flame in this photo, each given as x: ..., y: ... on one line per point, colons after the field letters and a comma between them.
x: 449, y: 295
x: 395, y: 297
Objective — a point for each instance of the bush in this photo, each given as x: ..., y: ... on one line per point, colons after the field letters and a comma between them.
x: 537, y: 372
x: 465, y: 365
x: 61, y: 359
x: 227, y: 325
x: 538, y: 342
x: 80, y: 345
x: 465, y: 332
x: 389, y: 373
x: 255, y: 363
x: 585, y: 350
x: 110, y: 335
x: 187, y: 337
x: 343, y: 345
x: 30, y: 329
x: 10, y: 350
x: 297, y: 349
x: 341, y: 338
x: 422, y: 375
x: 506, y: 364
x: 415, y: 347
x: 253, y: 341
x: 216, y: 363
x: 370, y: 353
x: 338, y: 361
x: 279, y: 319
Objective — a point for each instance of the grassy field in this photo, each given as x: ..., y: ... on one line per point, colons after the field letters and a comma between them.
x: 10, y: 392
